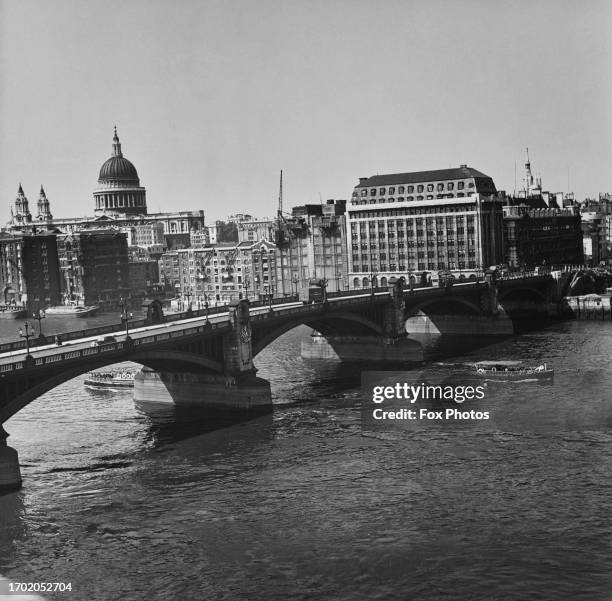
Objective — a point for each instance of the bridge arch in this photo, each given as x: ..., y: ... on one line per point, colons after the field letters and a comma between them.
x: 426, y: 306
x: 518, y: 293
x: 153, y: 359
x: 158, y: 358
x: 328, y: 324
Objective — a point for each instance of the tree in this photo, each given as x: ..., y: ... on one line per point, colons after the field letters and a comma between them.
x: 226, y: 232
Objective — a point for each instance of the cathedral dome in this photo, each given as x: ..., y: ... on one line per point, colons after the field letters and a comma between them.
x: 119, y: 191
x: 118, y: 169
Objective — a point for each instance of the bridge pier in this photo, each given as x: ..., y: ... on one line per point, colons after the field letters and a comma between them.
x: 468, y: 325
x: 244, y: 394
x: 237, y: 389
x: 362, y: 348
x: 10, y: 474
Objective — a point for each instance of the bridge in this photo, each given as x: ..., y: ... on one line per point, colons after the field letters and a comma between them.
x: 206, y: 358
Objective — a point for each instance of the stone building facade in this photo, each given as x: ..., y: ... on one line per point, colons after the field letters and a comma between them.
x: 221, y: 273
x: 312, y: 246
x: 29, y: 270
x: 410, y: 224
x: 543, y: 236
x: 94, y: 268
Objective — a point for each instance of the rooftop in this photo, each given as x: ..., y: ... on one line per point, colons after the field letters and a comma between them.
x: 463, y: 172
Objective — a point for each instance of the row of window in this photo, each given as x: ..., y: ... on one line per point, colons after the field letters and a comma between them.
x: 411, y: 198
x: 440, y: 228
x: 382, y: 234
x: 419, y: 221
x: 430, y: 244
x: 410, y: 211
x: 440, y: 187
x: 366, y: 257
x: 448, y: 233
x: 412, y: 266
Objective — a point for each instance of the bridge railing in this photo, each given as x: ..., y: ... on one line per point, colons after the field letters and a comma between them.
x: 136, y: 323
x: 115, y: 348
x: 357, y: 291
x: 173, y: 317
x: 96, y: 331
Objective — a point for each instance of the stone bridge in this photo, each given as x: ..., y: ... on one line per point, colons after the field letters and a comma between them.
x: 208, y: 360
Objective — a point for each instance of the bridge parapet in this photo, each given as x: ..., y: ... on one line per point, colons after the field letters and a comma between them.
x: 116, y: 349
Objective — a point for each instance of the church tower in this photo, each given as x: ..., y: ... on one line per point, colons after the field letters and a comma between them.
x: 20, y: 214
x: 533, y: 187
x: 44, y: 211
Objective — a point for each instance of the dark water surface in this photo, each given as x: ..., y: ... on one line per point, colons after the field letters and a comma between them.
x: 304, y: 505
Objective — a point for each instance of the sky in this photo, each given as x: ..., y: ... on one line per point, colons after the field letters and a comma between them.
x: 212, y: 99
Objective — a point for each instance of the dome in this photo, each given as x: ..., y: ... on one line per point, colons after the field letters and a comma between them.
x: 119, y: 191
x: 118, y: 169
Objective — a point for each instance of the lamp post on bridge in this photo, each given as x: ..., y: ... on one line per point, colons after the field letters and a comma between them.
x: 373, y: 275
x: 268, y: 290
x: 295, y: 280
x: 188, y: 294
x: 40, y: 316
x: 125, y: 318
x: 28, y: 334
x: 206, y: 308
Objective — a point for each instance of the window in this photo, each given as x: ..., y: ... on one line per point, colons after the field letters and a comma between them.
x: 411, y: 189
x: 373, y: 192
x: 391, y: 190
x: 450, y: 186
x: 419, y: 188
x: 400, y: 190
x: 440, y: 187
x: 460, y: 185
x: 364, y: 193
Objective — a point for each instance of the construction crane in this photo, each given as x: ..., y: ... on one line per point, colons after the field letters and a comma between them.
x: 283, y: 235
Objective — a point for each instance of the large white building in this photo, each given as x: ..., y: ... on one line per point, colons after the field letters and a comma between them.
x: 411, y: 224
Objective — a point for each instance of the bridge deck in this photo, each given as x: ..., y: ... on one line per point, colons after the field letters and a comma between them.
x: 151, y: 336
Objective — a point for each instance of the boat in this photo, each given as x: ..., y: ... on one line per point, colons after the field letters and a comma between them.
x: 506, y: 371
x: 110, y: 379
x: 73, y: 310
x: 12, y: 312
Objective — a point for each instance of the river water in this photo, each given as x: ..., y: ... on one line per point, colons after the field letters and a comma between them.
x: 303, y: 504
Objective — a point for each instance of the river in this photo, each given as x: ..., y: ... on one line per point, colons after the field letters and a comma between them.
x: 127, y: 504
